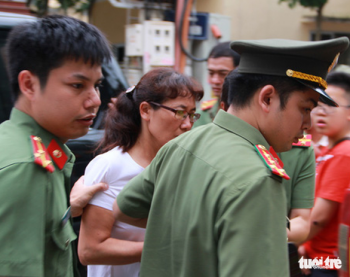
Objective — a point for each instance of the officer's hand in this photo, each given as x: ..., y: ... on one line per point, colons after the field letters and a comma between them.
x: 302, y: 253
x: 80, y: 195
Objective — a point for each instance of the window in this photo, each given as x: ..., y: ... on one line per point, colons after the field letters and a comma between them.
x: 344, y: 57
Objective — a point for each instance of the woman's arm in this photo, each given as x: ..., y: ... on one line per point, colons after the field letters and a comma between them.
x: 96, y: 245
x: 120, y: 216
x: 80, y: 195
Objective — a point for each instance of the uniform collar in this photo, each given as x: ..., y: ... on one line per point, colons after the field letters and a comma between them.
x: 29, y: 125
x: 239, y: 127
x: 216, y: 106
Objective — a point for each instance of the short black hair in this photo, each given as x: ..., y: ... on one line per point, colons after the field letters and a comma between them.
x: 223, y: 49
x: 224, y: 94
x: 239, y: 88
x: 45, y: 44
x: 339, y: 79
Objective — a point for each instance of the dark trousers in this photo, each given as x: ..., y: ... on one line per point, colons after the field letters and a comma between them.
x: 323, y: 273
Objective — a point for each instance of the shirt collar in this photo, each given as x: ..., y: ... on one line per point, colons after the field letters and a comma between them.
x: 239, y: 127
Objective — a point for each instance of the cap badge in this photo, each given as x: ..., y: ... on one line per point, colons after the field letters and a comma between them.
x: 334, y: 63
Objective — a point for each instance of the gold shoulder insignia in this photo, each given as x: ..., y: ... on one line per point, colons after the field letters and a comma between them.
x: 41, y: 157
x: 275, y: 156
x: 206, y: 105
x: 304, y: 142
x: 270, y: 162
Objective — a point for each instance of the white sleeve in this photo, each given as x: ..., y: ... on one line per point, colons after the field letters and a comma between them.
x: 96, y: 172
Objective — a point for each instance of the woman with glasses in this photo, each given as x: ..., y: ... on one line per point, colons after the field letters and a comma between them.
x: 159, y: 108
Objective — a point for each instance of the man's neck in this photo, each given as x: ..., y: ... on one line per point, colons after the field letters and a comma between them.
x: 316, y: 137
x: 334, y: 140
x: 246, y: 114
x: 23, y: 105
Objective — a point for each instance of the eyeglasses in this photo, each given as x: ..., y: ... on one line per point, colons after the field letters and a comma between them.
x: 180, y: 114
x: 327, y: 109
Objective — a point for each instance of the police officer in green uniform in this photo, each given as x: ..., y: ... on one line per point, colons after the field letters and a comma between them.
x: 222, y: 59
x: 55, y: 71
x: 300, y: 189
x: 213, y: 198
x: 299, y: 163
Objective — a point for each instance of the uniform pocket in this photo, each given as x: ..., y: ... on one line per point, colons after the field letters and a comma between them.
x: 63, y: 236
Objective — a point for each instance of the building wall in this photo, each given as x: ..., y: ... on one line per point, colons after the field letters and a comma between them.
x: 250, y: 19
x: 338, y: 8
x: 110, y: 20
x: 253, y: 19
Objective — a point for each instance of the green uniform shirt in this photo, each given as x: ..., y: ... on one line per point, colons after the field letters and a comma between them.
x: 213, y: 206
x: 299, y: 163
x: 33, y: 240
x: 207, y: 115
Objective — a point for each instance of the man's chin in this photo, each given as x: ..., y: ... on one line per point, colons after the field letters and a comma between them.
x: 74, y: 135
x: 217, y: 94
x: 283, y: 148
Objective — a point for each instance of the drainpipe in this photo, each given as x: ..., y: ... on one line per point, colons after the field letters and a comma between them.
x: 180, y: 57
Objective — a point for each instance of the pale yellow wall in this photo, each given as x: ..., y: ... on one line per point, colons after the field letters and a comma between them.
x: 258, y: 19
x: 250, y: 19
x: 338, y: 8
x: 110, y: 20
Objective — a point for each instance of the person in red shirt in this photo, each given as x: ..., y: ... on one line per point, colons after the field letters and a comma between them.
x: 318, y: 141
x: 332, y: 175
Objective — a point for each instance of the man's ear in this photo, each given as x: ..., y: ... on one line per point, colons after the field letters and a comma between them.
x: 222, y: 105
x: 28, y: 83
x: 267, y: 96
x: 348, y: 116
x: 145, y: 110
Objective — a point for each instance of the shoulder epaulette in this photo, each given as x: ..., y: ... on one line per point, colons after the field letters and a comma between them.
x: 41, y: 156
x: 275, y: 156
x: 270, y: 162
x: 304, y: 142
x: 206, y: 105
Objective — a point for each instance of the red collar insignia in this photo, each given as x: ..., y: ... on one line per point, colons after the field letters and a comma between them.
x: 57, y: 154
x: 304, y: 142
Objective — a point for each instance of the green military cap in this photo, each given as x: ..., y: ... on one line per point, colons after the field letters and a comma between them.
x: 306, y: 61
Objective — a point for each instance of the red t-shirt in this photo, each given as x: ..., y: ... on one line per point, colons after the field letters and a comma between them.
x: 332, y: 179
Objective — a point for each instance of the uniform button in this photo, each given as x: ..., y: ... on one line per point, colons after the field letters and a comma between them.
x: 67, y: 242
